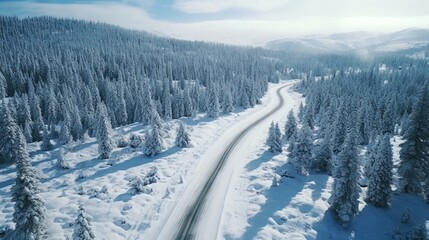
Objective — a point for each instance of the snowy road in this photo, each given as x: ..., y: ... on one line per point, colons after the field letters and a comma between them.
x: 198, y: 214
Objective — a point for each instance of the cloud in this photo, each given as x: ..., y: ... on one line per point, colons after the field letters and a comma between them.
x: 214, y: 6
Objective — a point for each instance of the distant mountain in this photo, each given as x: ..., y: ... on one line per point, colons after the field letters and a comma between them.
x: 356, y: 42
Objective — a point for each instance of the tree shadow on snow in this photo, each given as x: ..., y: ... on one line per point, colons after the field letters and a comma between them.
x: 264, y: 157
x: 277, y: 198
x: 131, y: 163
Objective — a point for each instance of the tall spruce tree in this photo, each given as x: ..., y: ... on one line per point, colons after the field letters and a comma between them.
x: 274, y: 138
x: 380, y: 177
x: 182, y: 137
x: 290, y: 126
x: 212, y: 100
x: 30, y: 213
x: 105, y: 141
x: 303, y: 148
x: 83, y: 226
x: 153, y: 142
x: 8, y: 136
x: 414, y: 166
x: 345, y: 189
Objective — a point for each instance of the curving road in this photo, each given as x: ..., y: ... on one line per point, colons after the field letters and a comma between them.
x: 186, y: 228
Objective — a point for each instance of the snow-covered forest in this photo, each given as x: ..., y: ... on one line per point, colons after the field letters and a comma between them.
x: 97, y: 118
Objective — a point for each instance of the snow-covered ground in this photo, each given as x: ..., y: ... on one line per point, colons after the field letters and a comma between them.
x: 298, y: 207
x: 104, y: 185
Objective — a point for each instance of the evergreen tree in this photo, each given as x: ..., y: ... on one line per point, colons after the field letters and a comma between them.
x: 46, y: 144
x: 212, y: 101
x: 65, y: 136
x: 340, y: 129
x: 380, y: 177
x: 187, y: 104
x: 30, y: 213
x: 227, y: 102
x: 8, y: 136
x: 345, y: 189
x: 303, y: 148
x: 290, y: 126
x: 83, y: 226
x: 414, y: 166
x: 323, y: 158
x: 182, y: 137
x: 105, y: 141
x: 153, y: 142
x: 274, y: 138
x: 2, y: 86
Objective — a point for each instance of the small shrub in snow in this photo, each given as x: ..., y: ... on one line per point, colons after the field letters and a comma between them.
x: 80, y: 190
x: 122, y: 142
x: 141, y: 185
x: 82, y: 174
x: 135, y: 140
x: 275, y: 180
x: 103, y: 194
x: 406, y: 215
x: 62, y: 162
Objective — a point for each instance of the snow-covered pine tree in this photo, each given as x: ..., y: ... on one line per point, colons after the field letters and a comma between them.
x: 9, y: 137
x: 46, y: 144
x: 212, y: 100
x: 83, y: 226
x: 290, y: 126
x: 340, y: 122
x: 227, y: 102
x: 414, y: 166
x: 153, y: 142
x: 182, y: 137
x: 372, y: 157
x: 187, y: 103
x: 303, y: 148
x: 345, y: 189
x: 2, y: 86
x: 30, y: 213
x: 323, y: 158
x: 380, y: 177
x: 105, y: 142
x: 65, y: 136
x: 274, y: 138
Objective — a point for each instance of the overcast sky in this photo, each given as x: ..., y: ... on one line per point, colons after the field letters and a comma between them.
x: 235, y: 21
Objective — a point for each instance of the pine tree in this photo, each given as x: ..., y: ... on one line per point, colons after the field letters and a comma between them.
x: 304, y: 147
x: 340, y: 129
x: 30, y: 212
x: 213, y: 101
x: 345, y: 189
x: 82, y: 226
x: 380, y: 177
x: 2, y: 86
x: 323, y: 158
x: 46, y: 144
x: 227, y: 102
x: 8, y: 136
x: 153, y: 142
x: 182, y: 137
x: 105, y: 142
x: 187, y: 104
x: 414, y: 166
x: 290, y: 126
x: 274, y: 139
x: 65, y: 136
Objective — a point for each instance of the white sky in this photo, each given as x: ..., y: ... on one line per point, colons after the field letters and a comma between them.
x: 239, y: 21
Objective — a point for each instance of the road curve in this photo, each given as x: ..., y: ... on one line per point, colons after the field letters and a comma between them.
x: 190, y: 219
